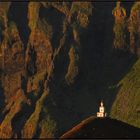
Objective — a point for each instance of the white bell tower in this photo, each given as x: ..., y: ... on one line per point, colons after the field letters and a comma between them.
x: 101, y: 112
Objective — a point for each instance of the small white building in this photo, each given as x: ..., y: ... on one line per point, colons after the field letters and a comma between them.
x: 101, y: 112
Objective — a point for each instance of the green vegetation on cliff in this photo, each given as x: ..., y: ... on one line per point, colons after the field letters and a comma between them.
x: 126, y: 106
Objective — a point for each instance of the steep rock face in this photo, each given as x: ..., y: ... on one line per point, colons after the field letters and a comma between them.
x: 31, y: 125
x: 49, y: 58
x: 12, y: 108
x: 12, y: 54
x: 73, y: 66
x: 56, y: 67
x: 119, y: 27
x: 4, y: 7
x: 134, y: 29
x: 55, y: 42
x: 126, y: 27
x: 12, y: 60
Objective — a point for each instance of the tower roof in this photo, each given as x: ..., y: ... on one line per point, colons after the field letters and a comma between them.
x: 102, y: 103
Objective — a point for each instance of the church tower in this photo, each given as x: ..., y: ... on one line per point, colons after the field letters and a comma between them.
x: 101, y: 112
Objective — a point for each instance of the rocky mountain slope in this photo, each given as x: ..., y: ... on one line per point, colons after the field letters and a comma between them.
x: 59, y: 59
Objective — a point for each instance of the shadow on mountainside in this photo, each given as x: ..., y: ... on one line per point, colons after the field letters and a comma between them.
x: 18, y: 13
x: 55, y: 20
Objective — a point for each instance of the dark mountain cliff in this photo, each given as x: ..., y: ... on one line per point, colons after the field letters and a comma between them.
x: 59, y: 59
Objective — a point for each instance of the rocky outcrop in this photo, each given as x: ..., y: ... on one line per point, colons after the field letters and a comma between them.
x: 134, y: 29
x: 126, y: 27
x: 12, y: 108
x: 12, y: 60
x: 29, y: 68
x: 119, y: 27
